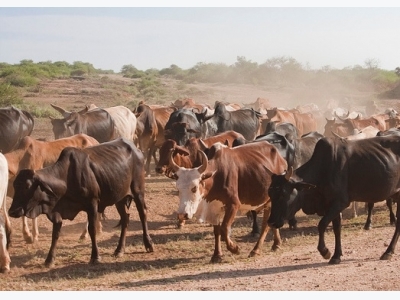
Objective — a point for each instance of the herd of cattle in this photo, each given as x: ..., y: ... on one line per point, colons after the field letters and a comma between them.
x: 224, y: 159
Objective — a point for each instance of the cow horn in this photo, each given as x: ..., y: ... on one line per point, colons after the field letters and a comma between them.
x: 172, y: 163
x: 289, y: 173
x: 203, y: 146
x: 204, y: 164
x: 61, y: 110
x: 335, y: 134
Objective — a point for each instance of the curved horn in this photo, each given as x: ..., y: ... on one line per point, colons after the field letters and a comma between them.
x: 289, y: 173
x: 335, y: 134
x: 172, y: 163
x: 204, y: 164
x: 61, y: 110
x: 203, y: 145
x: 340, y: 118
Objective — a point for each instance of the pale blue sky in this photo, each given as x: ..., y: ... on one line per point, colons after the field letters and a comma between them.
x: 155, y: 37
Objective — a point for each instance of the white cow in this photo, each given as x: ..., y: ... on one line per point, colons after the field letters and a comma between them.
x: 5, y: 225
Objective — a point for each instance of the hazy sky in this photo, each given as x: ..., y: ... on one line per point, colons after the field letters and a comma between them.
x: 155, y: 37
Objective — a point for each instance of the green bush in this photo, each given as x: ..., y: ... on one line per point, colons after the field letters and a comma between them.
x: 9, y: 96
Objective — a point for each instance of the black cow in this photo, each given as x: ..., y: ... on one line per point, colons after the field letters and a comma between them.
x: 96, y: 123
x: 87, y: 180
x: 181, y: 126
x: 339, y: 172
x: 244, y: 121
x: 15, y: 124
x: 296, y: 152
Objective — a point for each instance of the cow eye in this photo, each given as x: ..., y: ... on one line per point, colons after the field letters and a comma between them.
x: 194, y: 189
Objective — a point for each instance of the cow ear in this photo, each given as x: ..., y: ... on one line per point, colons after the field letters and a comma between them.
x: 44, y: 186
x: 207, y: 175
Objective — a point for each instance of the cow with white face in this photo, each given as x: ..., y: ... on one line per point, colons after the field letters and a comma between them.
x: 233, y: 180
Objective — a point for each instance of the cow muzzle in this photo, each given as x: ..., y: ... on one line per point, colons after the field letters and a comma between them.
x: 16, y: 213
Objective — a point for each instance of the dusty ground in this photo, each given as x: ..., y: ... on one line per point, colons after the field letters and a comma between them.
x: 181, y: 260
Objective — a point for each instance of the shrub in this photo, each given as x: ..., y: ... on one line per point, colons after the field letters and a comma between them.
x: 9, y: 96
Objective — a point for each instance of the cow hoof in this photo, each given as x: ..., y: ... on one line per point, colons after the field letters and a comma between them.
x: 367, y: 227
x: 326, y: 254
x: 149, y: 249
x: 28, y: 239
x: 275, y: 247
x: 95, y: 261
x: 334, y: 261
x: 118, y: 254
x: 386, y: 256
x: 4, y: 270
x: 216, y: 259
x: 254, y: 253
x: 82, y: 237
x: 49, y: 264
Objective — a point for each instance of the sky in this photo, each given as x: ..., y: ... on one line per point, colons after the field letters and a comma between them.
x: 152, y: 34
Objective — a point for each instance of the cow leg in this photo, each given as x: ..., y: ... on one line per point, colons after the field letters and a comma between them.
x: 35, y: 230
x: 368, y: 225
x: 255, y: 229
x: 99, y: 227
x: 293, y: 224
x: 93, y: 217
x: 323, y: 250
x: 217, y: 256
x: 389, y: 204
x: 229, y: 217
x: 124, y: 216
x: 4, y: 254
x: 354, y: 207
x: 142, y: 210
x: 264, y: 231
x: 337, y: 229
x: 390, y: 250
x: 26, y: 232
x: 49, y: 262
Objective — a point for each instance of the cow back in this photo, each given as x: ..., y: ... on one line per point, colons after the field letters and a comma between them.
x: 15, y: 124
x: 96, y: 123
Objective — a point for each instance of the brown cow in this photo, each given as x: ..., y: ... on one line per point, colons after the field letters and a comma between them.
x: 151, y: 122
x: 261, y: 105
x: 304, y: 122
x: 35, y: 154
x: 348, y: 126
x: 234, y: 179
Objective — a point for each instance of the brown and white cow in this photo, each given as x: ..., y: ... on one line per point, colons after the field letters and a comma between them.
x: 235, y: 179
x: 35, y: 154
